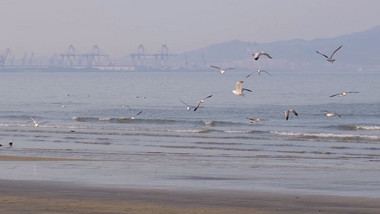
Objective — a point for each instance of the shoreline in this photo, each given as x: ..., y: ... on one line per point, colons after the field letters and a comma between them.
x: 59, y: 197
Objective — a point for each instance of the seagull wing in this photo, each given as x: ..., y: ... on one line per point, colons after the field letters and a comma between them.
x: 239, y: 86
x: 336, y: 51
x: 215, y: 67
x: 207, y: 97
x: 197, y: 106
x: 286, y: 115
x: 246, y: 89
x: 322, y: 54
x: 228, y: 69
x: 256, y: 56
x: 183, y: 103
x: 334, y: 95
x: 139, y: 113
x: 249, y: 75
x: 266, y: 54
x: 352, y: 92
x: 294, y: 112
x: 266, y: 72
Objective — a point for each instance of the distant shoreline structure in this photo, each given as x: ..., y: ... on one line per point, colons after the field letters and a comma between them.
x: 69, y: 68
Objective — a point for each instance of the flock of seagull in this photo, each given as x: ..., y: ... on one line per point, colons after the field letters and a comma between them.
x: 239, y: 90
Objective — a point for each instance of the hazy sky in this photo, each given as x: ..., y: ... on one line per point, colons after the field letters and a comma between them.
x: 119, y: 26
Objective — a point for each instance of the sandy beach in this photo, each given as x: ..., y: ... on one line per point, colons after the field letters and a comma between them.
x: 41, y: 197
x: 36, y: 197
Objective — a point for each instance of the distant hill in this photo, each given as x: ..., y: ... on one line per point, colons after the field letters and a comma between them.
x: 360, y: 51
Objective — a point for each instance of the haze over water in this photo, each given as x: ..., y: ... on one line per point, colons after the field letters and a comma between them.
x: 215, y: 147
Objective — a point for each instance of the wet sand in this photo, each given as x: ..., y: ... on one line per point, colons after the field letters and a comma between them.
x: 48, y: 197
x: 35, y: 197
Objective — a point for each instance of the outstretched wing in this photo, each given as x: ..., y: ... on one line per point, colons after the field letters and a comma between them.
x: 207, y: 97
x: 334, y: 95
x: 266, y: 54
x: 266, y: 72
x: 215, y: 67
x: 183, y: 102
x: 249, y: 74
x: 246, y: 89
x: 239, y: 86
x: 336, y: 51
x: 322, y: 54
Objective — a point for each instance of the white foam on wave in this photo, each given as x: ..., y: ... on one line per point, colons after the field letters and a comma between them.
x: 368, y: 127
x: 326, y: 135
x: 238, y: 131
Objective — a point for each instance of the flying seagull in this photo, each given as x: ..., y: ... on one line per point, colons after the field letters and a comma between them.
x: 331, y: 114
x: 132, y: 118
x: 221, y: 69
x: 35, y: 122
x: 330, y: 59
x: 258, y: 54
x: 239, y: 89
x: 344, y: 93
x: 188, y: 107
x: 254, y: 120
x: 288, y: 112
x: 201, y: 101
x: 259, y: 72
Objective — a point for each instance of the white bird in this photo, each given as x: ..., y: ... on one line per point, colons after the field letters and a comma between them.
x: 288, y: 112
x: 188, y: 107
x: 259, y: 72
x: 254, y: 120
x: 35, y: 122
x: 221, y: 69
x: 258, y: 54
x: 132, y: 118
x: 343, y: 93
x: 201, y: 101
x: 331, y: 114
x: 239, y: 89
x: 330, y: 59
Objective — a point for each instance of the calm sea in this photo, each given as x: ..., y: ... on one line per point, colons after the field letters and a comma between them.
x: 88, y: 115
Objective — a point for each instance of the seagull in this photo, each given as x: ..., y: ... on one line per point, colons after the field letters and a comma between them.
x: 288, y: 112
x: 188, y: 107
x: 331, y: 114
x: 259, y: 72
x: 132, y: 118
x: 258, y: 54
x: 254, y: 120
x: 343, y: 93
x: 239, y: 89
x: 10, y: 143
x: 221, y: 70
x: 201, y: 101
x: 35, y: 123
x: 330, y: 59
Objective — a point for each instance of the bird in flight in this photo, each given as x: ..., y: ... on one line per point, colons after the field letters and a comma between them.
x: 331, y: 114
x: 254, y: 120
x: 35, y: 122
x: 201, y: 101
x: 343, y: 93
x: 221, y: 69
x: 188, y: 107
x: 330, y: 59
x: 259, y: 72
x: 258, y: 54
x: 288, y: 112
x: 133, y: 117
x: 239, y: 89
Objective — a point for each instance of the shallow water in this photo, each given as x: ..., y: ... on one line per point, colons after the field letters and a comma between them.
x: 215, y: 147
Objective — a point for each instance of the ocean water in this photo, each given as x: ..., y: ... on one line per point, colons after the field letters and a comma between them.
x: 88, y: 116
